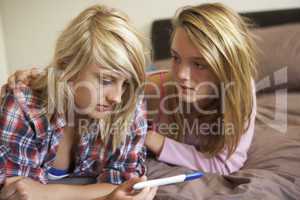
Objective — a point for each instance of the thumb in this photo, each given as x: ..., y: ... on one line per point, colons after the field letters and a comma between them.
x: 128, y: 185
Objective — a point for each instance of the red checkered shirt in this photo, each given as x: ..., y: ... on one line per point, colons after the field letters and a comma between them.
x: 29, y: 142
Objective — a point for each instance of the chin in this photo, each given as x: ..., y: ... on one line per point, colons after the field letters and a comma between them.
x: 98, y: 115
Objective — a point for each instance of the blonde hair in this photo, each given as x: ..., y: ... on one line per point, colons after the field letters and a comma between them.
x: 104, y: 36
x: 224, y: 41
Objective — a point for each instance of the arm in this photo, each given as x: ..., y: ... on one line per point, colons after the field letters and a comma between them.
x: 34, y: 190
x: 155, y: 142
x: 185, y: 155
x: 25, y: 188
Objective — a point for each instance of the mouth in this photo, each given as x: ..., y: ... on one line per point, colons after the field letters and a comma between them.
x: 103, y: 108
x: 186, y: 88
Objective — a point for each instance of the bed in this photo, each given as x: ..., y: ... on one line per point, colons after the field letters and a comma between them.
x: 272, y: 170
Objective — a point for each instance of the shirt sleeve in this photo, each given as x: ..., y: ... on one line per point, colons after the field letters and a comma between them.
x: 19, y: 156
x: 185, y: 155
x: 129, y: 160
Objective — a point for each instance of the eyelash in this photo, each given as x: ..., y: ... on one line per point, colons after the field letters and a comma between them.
x: 105, y: 81
x: 175, y: 58
x: 198, y: 65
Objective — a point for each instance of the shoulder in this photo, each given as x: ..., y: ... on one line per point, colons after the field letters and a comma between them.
x: 155, y: 80
x: 158, y: 85
x: 21, y: 112
x: 22, y: 98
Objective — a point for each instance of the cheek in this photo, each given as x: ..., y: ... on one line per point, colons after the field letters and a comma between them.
x: 85, y: 97
x: 202, y: 76
x: 205, y: 81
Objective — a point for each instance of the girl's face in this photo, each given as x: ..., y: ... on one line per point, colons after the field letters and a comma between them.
x: 196, y: 83
x: 97, y: 91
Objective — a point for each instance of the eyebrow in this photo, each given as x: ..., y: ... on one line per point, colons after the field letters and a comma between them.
x: 198, y: 58
x: 106, y: 73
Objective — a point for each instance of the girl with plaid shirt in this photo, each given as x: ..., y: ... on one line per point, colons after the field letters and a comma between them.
x: 83, y: 118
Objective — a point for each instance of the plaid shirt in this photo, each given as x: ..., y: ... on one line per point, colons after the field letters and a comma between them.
x: 29, y: 142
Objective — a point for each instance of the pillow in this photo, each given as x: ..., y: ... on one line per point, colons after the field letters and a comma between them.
x: 279, y: 47
x: 273, y: 148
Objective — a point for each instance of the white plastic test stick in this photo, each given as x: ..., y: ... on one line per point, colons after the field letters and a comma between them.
x: 167, y: 181
x: 159, y: 182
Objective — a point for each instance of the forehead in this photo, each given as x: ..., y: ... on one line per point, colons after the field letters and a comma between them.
x: 182, y: 44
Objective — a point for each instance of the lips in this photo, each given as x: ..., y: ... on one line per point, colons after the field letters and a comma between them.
x: 184, y: 87
x: 103, y: 108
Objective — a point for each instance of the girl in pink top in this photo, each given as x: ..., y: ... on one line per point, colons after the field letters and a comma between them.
x: 203, y: 110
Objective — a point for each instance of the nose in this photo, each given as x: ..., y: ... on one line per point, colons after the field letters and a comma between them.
x: 114, y: 96
x: 183, y: 72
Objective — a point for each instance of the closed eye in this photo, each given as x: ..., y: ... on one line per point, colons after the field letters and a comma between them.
x: 104, y: 80
x: 199, y: 65
x: 175, y: 58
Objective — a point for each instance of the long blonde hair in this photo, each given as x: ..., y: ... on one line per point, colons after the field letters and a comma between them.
x: 98, y: 35
x: 224, y: 41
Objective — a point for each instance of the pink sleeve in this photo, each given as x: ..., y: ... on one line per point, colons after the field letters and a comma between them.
x: 185, y: 155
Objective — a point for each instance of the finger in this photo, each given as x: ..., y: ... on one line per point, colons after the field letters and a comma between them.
x: 15, y: 196
x: 2, y: 92
x: 23, y: 76
x: 143, y: 194
x: 144, y: 178
x: 11, y: 81
x: 140, y: 179
x: 17, y: 76
x: 11, y: 180
x: 8, y: 191
x: 35, y: 72
x: 128, y: 185
x: 152, y: 193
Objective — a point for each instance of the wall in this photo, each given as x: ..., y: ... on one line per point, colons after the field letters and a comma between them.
x: 31, y: 26
x: 3, y: 65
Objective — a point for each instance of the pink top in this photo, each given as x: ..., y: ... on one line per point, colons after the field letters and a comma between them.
x: 186, y: 155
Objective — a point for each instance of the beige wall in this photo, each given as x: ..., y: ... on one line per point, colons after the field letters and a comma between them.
x: 3, y: 66
x: 31, y: 26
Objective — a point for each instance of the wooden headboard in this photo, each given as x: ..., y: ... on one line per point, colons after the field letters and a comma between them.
x: 162, y: 28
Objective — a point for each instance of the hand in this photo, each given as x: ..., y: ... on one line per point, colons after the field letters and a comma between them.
x: 2, y: 92
x: 126, y: 192
x: 23, y: 189
x: 25, y: 76
x: 154, y: 142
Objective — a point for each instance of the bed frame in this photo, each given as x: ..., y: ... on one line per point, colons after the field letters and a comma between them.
x: 161, y: 29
